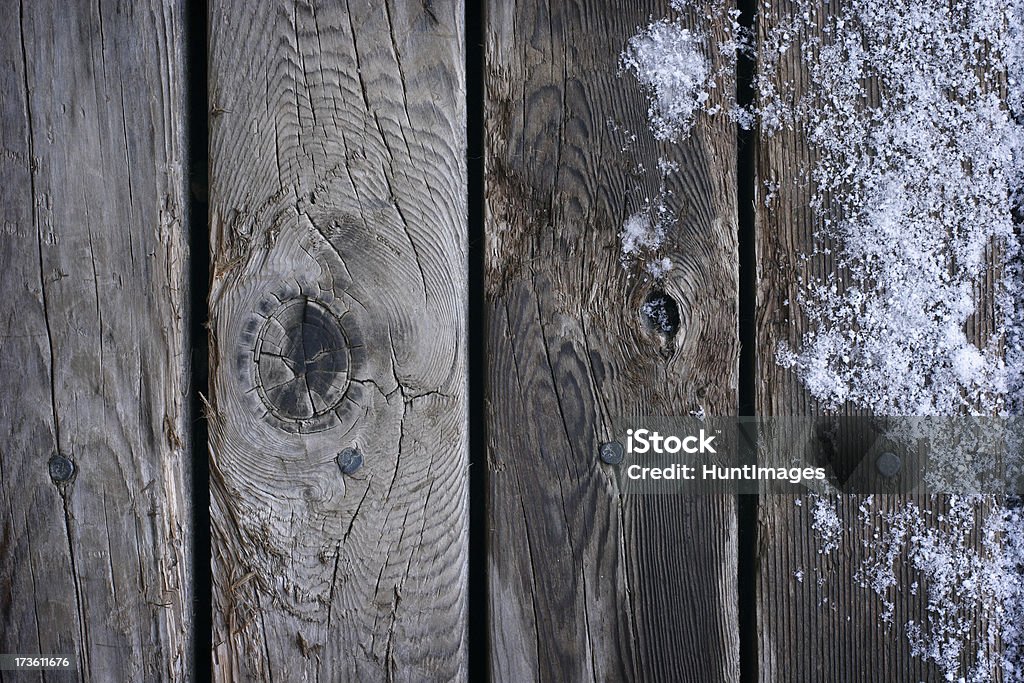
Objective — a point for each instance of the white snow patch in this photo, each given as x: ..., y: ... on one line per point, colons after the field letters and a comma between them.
x: 967, y: 585
x: 827, y: 524
x: 922, y: 176
x: 643, y: 237
x: 658, y: 268
x: 669, y: 61
x: 640, y: 233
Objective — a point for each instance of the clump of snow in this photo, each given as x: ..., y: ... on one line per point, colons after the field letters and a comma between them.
x: 657, y: 269
x: 643, y: 235
x: 669, y: 61
x: 640, y: 233
x: 826, y: 524
x: 674, y: 64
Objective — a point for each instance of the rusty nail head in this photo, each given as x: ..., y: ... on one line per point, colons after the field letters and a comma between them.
x: 612, y: 452
x: 888, y: 464
x: 61, y: 469
x: 349, y: 460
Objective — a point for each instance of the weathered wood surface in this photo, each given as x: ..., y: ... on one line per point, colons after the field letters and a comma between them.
x: 338, y: 217
x: 93, y: 340
x: 586, y: 584
x: 816, y: 621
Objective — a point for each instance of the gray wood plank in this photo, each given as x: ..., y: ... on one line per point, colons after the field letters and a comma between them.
x: 338, y: 306
x: 587, y: 584
x: 816, y: 618
x: 95, y: 545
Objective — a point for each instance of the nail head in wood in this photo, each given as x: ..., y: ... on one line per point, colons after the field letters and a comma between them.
x: 62, y: 469
x: 612, y: 452
x: 349, y: 460
x: 888, y: 464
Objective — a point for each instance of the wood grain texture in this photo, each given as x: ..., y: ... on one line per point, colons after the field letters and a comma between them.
x: 816, y: 622
x: 584, y: 583
x: 338, y: 306
x: 93, y: 349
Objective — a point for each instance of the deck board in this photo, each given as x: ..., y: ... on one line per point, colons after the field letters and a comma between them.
x: 95, y: 545
x: 338, y: 317
x: 585, y: 583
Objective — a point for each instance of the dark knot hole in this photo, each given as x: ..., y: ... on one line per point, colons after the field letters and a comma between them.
x: 661, y: 313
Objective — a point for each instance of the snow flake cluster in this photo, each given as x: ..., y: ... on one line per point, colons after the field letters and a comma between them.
x: 919, y: 157
x: 974, y: 591
x: 643, y: 234
x: 826, y: 524
x: 669, y: 60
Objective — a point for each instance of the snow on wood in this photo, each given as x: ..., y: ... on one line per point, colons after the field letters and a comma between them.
x: 669, y: 60
x: 915, y: 116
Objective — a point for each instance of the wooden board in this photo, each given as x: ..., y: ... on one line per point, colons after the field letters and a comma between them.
x: 338, y: 218
x: 584, y: 583
x: 815, y: 619
x: 94, y: 417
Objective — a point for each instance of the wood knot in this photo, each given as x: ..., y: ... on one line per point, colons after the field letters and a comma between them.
x: 661, y: 313
x: 302, y: 361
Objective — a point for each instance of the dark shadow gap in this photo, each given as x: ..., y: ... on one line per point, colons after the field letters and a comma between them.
x: 478, y: 624
x: 197, y: 157
x: 747, y: 505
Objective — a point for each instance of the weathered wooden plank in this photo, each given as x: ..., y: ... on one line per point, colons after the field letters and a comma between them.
x: 818, y: 616
x: 814, y: 621
x: 94, y: 541
x: 587, y: 584
x: 338, y: 213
